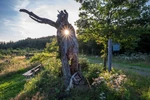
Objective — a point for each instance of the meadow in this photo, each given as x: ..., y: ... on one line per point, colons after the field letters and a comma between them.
x: 119, y: 84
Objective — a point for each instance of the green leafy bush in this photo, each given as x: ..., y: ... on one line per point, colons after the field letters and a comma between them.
x: 93, y: 71
x: 84, y: 64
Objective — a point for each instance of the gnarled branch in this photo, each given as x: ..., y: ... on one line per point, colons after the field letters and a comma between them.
x: 39, y: 19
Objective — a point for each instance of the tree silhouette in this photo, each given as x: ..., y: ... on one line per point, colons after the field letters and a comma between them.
x: 66, y: 38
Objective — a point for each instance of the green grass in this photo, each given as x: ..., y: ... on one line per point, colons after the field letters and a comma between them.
x: 48, y: 84
x: 12, y: 83
x: 10, y: 86
x: 92, y: 59
x: 141, y: 64
x: 138, y: 86
x: 11, y: 79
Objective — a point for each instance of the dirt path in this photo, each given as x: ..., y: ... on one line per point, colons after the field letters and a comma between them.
x: 133, y: 69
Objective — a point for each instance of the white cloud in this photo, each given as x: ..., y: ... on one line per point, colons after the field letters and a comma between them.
x: 22, y: 26
x: 9, y: 30
x: 30, y: 28
x: 21, y: 4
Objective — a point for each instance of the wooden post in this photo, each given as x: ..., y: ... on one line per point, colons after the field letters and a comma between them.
x: 109, y: 54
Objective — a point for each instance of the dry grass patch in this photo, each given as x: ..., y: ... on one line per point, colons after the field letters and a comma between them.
x: 14, y: 64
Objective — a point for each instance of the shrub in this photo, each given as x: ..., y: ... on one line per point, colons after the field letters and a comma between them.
x: 93, y: 71
x: 84, y: 64
x: 111, y: 86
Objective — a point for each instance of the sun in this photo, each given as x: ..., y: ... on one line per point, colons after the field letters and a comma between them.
x: 66, y: 32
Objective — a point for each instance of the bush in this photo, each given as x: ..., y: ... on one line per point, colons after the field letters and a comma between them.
x: 84, y: 64
x: 93, y: 71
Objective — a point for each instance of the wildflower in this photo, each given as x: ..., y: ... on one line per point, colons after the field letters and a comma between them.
x: 102, y: 96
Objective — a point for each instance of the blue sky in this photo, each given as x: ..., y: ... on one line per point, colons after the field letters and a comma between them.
x: 15, y: 25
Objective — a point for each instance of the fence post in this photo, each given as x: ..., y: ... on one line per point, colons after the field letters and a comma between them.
x: 109, y: 54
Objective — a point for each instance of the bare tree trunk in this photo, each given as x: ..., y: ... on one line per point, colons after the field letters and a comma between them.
x: 68, y: 44
x: 65, y: 70
x: 68, y: 47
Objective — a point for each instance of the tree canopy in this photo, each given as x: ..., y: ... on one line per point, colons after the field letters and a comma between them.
x: 121, y: 20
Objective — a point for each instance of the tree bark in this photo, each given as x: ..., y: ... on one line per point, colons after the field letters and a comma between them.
x: 68, y: 45
x: 105, y: 57
x: 39, y: 19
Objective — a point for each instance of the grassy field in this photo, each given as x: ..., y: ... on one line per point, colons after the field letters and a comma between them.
x: 138, y: 77
x: 141, y: 67
x: 11, y: 86
x: 11, y: 79
x: 117, y: 85
x: 142, y: 61
x: 138, y: 59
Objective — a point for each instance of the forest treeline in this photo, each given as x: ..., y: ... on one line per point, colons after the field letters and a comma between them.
x: 89, y: 47
x: 36, y: 43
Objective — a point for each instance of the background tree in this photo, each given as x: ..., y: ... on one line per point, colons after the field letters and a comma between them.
x: 120, y: 20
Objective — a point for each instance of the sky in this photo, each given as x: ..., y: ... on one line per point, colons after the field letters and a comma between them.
x: 15, y: 25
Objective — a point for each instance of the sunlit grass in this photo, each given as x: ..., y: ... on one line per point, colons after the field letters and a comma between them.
x: 11, y: 78
x: 117, y: 85
x: 11, y: 86
x: 13, y: 64
x: 146, y: 94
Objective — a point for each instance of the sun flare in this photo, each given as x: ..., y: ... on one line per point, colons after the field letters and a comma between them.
x: 66, y: 32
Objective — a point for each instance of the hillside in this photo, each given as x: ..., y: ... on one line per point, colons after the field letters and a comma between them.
x: 37, y: 43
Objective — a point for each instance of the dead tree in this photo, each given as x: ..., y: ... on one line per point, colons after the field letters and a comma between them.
x: 68, y: 45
